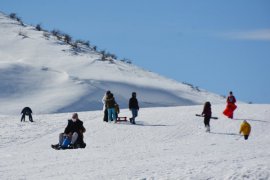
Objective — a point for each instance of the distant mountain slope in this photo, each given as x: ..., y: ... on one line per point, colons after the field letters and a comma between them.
x: 51, y: 76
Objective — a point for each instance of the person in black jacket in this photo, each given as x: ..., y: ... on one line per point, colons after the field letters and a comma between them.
x: 207, y: 113
x: 74, y: 131
x: 27, y: 112
x: 133, y: 107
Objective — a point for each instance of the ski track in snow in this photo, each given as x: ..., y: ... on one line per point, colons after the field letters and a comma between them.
x: 166, y: 143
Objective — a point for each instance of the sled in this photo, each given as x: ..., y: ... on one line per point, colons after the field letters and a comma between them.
x: 229, y: 110
x: 82, y: 146
x: 121, y: 119
x: 199, y: 115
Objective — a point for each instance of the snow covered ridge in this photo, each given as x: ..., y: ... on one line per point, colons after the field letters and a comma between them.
x: 167, y: 143
x: 40, y: 71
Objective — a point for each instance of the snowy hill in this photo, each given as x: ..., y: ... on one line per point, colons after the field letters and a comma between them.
x: 167, y: 143
x: 48, y: 75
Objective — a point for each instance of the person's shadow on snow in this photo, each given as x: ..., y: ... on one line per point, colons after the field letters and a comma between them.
x: 228, y: 134
x: 255, y: 120
x: 141, y: 123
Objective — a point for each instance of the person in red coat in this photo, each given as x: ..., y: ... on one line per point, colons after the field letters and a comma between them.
x: 231, y: 100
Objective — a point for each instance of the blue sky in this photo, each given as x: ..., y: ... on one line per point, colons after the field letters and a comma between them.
x: 217, y: 45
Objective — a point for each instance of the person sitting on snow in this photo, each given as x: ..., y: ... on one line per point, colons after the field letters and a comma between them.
x: 74, y: 133
x: 27, y: 112
x: 245, y: 129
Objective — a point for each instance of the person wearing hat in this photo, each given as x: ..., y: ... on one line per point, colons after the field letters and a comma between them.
x: 133, y: 107
x: 245, y: 129
x: 73, y: 134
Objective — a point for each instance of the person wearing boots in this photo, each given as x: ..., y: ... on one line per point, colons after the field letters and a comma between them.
x: 245, y: 129
x: 74, y: 133
x: 110, y: 105
x: 207, y: 113
x: 105, y: 110
x: 133, y: 107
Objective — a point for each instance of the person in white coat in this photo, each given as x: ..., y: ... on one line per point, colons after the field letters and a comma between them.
x: 105, y: 118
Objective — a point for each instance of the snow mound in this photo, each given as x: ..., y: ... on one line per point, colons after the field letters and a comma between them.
x: 45, y: 87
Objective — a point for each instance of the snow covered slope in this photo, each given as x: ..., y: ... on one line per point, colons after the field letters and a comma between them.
x: 167, y: 143
x: 49, y: 76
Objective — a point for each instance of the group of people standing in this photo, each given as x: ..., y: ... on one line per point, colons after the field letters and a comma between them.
x: 245, y: 128
x: 111, y: 108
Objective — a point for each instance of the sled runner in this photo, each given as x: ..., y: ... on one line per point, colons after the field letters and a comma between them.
x: 199, y: 115
x: 58, y: 147
x: 77, y: 146
x: 121, y: 119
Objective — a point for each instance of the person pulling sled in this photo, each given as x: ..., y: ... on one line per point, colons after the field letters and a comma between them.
x: 72, y: 138
x: 231, y: 100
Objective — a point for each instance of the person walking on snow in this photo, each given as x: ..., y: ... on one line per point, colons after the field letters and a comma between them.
x: 231, y: 100
x: 207, y: 114
x: 110, y: 105
x: 74, y: 133
x: 245, y: 129
x: 105, y: 110
x: 133, y: 107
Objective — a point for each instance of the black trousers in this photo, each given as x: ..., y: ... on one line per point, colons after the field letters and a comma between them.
x: 105, y: 118
x: 207, y: 121
x: 246, y: 137
x: 23, y: 117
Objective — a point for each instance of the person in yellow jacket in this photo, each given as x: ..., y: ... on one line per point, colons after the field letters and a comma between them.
x: 245, y: 129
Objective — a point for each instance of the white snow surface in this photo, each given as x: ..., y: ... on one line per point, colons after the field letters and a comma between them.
x: 48, y: 76
x: 166, y: 143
